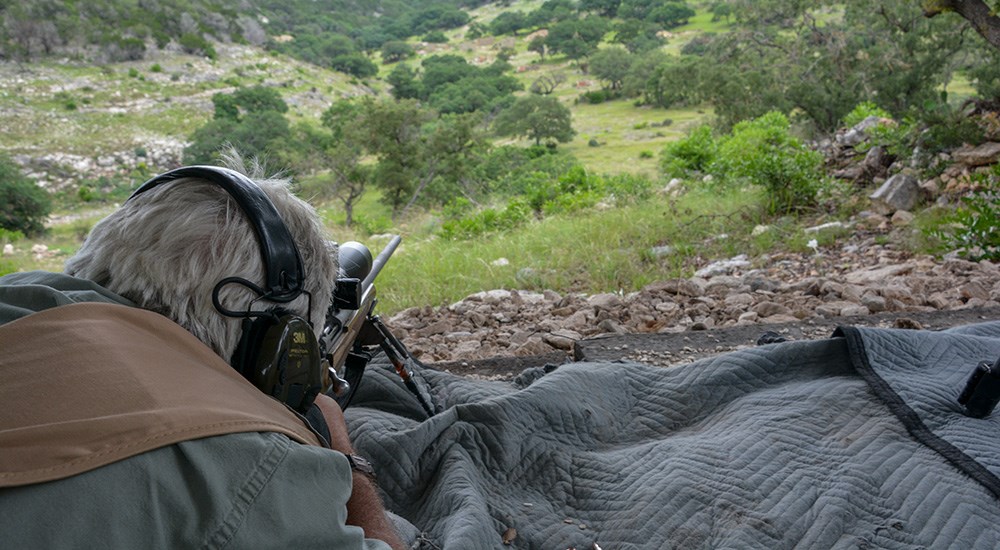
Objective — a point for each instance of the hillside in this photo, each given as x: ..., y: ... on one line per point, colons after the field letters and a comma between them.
x: 68, y: 121
x: 89, y: 131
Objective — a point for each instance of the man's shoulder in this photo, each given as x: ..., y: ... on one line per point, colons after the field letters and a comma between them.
x: 28, y: 292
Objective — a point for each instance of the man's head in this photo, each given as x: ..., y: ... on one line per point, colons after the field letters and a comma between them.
x: 167, y: 248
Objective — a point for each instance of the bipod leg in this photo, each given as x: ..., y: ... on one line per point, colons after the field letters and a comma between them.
x: 401, y: 361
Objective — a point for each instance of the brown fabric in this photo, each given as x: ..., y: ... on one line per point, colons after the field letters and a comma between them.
x: 85, y: 385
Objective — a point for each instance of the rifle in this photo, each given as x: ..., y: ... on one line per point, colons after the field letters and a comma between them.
x: 353, y: 333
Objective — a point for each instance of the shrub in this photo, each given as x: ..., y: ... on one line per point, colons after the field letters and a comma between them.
x: 23, y: 204
x: 862, y: 111
x: 763, y: 152
x: 974, y: 229
x: 435, y: 37
x: 193, y: 43
x: 692, y: 153
x: 373, y: 225
x: 514, y: 214
x: 9, y: 236
x: 595, y: 96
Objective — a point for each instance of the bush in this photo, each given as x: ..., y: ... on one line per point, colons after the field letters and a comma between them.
x: 763, y: 152
x: 195, y: 44
x: 23, y: 204
x: 862, y: 111
x: 435, y: 37
x: 692, y: 153
x: 354, y: 64
x: 595, y: 97
x: 974, y: 229
x: 488, y: 220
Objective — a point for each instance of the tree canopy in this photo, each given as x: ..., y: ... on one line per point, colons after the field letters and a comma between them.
x: 536, y: 117
x: 250, y: 119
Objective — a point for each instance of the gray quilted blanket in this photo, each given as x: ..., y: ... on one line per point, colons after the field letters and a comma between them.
x: 852, y: 442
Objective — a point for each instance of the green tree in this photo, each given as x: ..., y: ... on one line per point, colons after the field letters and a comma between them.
x: 420, y: 156
x: 540, y: 118
x: 196, y: 44
x: 508, y: 22
x: 637, y: 35
x: 244, y: 101
x: 250, y: 119
x: 776, y: 56
x: 981, y: 14
x: 672, y: 14
x: 396, y: 50
x: 404, y: 82
x: 637, y: 9
x: 763, y: 152
x: 345, y: 174
x: 607, y: 8
x: 611, y: 65
x: 451, y: 85
x: 24, y: 205
x: 354, y: 64
x: 576, y: 38
x: 537, y: 45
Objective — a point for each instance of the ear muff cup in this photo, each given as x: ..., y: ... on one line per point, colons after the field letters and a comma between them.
x: 279, y: 354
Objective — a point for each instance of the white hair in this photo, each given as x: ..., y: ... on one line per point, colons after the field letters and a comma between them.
x: 167, y: 248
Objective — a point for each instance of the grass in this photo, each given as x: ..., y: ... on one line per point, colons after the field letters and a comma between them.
x: 61, y: 241
x: 590, y: 252
x: 623, y: 132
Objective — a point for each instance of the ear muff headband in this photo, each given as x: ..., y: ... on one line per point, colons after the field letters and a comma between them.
x: 282, y: 264
x: 277, y: 351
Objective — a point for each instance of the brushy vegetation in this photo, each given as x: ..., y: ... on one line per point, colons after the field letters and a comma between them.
x: 23, y: 205
x: 973, y: 229
x: 580, y: 213
x: 761, y: 152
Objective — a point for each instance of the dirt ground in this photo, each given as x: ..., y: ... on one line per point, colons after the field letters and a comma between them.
x: 668, y: 350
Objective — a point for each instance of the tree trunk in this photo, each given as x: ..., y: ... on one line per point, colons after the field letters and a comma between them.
x: 976, y: 12
x: 349, y: 213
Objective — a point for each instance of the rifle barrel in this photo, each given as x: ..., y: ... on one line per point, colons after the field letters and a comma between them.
x: 380, y: 260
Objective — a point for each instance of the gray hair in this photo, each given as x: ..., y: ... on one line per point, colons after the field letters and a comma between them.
x: 167, y: 248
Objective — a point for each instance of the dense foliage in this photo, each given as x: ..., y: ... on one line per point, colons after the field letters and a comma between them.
x: 450, y: 84
x: 23, y: 204
x: 250, y: 119
x: 539, y: 118
x: 317, y: 31
x: 761, y: 152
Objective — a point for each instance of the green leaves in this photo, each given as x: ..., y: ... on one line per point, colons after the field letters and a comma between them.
x: 540, y: 118
x: 23, y: 204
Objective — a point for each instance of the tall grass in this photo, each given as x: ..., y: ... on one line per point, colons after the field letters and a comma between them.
x: 589, y: 252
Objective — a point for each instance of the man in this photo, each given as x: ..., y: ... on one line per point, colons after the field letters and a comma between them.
x: 120, y: 430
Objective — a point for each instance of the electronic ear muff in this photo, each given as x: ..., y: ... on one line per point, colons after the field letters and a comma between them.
x: 278, y: 351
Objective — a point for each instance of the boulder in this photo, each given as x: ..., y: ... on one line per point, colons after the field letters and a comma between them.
x: 900, y: 192
x: 981, y: 155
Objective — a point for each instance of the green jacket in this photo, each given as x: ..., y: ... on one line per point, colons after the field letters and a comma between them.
x: 242, y: 490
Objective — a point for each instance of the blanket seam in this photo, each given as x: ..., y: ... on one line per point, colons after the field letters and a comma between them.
x: 910, y: 419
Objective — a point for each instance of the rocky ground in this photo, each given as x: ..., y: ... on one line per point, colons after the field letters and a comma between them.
x: 726, y: 305
x: 867, y: 280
